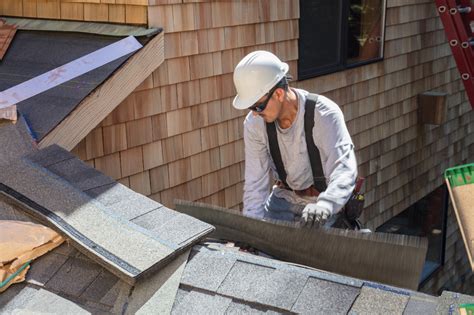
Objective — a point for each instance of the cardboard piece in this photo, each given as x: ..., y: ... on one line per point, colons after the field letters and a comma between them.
x: 20, y: 243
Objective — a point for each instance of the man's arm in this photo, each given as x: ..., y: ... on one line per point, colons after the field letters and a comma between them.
x: 341, y: 164
x: 256, y: 187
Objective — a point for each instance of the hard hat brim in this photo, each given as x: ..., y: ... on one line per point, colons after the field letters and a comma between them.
x: 241, y: 103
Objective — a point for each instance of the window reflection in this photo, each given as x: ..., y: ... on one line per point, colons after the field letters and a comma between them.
x: 365, y: 22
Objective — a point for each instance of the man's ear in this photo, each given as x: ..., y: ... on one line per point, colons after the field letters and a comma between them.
x: 280, y: 94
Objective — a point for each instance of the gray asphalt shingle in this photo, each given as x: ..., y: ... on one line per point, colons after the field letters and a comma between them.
x: 206, y: 270
x: 79, y: 174
x: 49, y: 155
x: 74, y: 277
x: 324, y: 297
x: 15, y: 141
x: 378, y: 301
x: 100, y: 287
x: 418, y: 304
x: 194, y: 302
x: 261, y: 284
x: 448, y: 302
x: 236, y: 308
x: 44, y: 267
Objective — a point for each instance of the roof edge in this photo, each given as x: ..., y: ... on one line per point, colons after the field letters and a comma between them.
x: 104, y: 99
x: 106, y: 29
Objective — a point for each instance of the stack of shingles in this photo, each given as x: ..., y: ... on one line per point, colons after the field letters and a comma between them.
x: 141, y: 246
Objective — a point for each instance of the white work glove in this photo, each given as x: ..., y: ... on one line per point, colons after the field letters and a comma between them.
x: 314, y: 216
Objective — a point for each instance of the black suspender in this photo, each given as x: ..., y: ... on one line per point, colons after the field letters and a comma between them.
x: 313, y: 152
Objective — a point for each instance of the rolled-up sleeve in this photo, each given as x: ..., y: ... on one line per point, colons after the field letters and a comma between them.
x: 340, y: 164
x: 257, y: 180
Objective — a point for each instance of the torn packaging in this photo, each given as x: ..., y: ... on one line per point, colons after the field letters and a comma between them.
x: 8, y: 113
x: 387, y: 258
x: 21, y: 242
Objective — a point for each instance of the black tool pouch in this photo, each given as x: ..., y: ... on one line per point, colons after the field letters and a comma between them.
x: 353, y: 208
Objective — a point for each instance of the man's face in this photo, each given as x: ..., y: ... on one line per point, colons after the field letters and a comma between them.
x: 272, y: 108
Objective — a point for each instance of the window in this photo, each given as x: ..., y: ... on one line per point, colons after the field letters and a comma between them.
x: 337, y: 34
x: 426, y: 218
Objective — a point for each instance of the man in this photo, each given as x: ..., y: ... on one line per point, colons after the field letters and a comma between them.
x: 261, y: 82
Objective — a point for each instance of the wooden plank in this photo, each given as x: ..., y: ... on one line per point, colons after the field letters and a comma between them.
x: 200, y: 165
x: 188, y: 93
x: 122, y: 113
x: 90, y: 112
x: 214, y: 112
x: 152, y: 155
x: 190, y: 190
x: 131, y: 161
x: 96, y: 12
x: 72, y: 11
x: 199, y: 115
x: 202, y: 15
x: 201, y: 66
x: 169, y: 97
x: 161, y: 16
x: 189, y: 43
x: 159, y: 127
x: 178, y: 70
x: 173, y: 148
x: 209, y: 89
x: 115, y: 138
x: 216, y: 39
x: 48, y: 9
x: 146, y: 84
x: 183, y: 17
x: 140, y: 183
x: 191, y: 142
x: 210, y: 137
x: 109, y: 165
x: 210, y: 184
x: 139, y: 132
x: 178, y: 121
x: 117, y: 13
x: 136, y: 14
x: 29, y: 8
x: 11, y: 7
x: 147, y: 103
x: 179, y: 171
x: 159, y: 178
x: 160, y: 75
x: 94, y: 144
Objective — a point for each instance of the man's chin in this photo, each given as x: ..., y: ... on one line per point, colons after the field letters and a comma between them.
x: 267, y: 119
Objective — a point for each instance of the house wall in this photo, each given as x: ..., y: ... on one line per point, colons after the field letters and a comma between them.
x: 114, y: 11
x: 177, y: 135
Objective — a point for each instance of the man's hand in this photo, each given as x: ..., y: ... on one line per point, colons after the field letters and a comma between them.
x: 314, y: 216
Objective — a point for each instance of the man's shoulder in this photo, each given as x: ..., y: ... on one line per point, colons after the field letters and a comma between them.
x: 253, y: 122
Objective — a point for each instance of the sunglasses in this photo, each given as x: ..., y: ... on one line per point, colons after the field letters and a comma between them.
x: 260, y: 107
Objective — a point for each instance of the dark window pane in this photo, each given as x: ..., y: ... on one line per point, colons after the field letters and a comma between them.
x: 320, y: 37
x: 425, y: 218
x: 365, y: 29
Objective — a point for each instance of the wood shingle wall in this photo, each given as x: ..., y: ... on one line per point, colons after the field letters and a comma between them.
x: 113, y: 11
x: 178, y: 136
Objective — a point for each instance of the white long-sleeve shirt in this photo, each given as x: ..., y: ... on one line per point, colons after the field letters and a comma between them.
x: 335, y: 147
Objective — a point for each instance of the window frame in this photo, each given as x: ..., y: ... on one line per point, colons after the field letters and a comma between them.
x: 343, y: 30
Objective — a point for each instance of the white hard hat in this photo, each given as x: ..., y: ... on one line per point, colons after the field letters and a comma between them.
x: 255, y: 75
